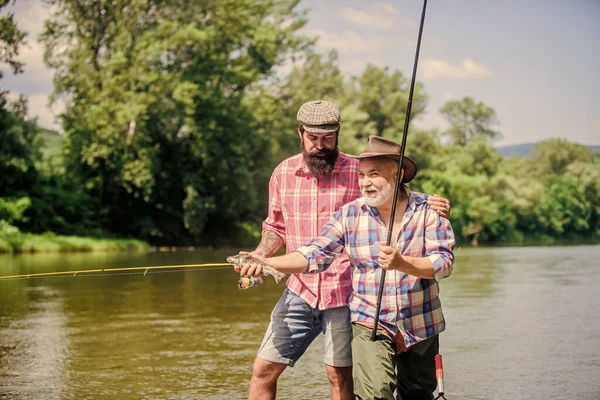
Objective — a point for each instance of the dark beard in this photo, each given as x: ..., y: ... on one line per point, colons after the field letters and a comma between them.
x: 322, y: 163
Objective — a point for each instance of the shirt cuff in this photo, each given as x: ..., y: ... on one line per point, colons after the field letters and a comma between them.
x: 439, y: 263
x: 312, y: 266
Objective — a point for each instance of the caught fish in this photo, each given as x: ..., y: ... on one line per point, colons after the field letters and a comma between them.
x: 248, y: 282
x: 242, y: 259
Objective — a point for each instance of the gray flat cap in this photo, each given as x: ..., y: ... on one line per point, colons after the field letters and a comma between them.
x: 319, y: 116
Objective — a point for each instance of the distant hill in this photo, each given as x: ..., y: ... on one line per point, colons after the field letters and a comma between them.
x: 526, y: 149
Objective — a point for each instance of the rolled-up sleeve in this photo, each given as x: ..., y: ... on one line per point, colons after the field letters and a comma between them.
x: 323, y: 249
x: 275, y: 221
x: 439, y: 241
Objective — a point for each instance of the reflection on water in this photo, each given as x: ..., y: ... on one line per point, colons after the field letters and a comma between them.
x: 522, y: 324
x: 34, y: 345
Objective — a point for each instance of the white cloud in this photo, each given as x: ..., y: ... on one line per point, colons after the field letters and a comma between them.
x: 355, y: 51
x: 33, y: 58
x: 29, y: 17
x: 380, y: 16
x: 363, y: 18
x: 345, y: 42
x: 386, y: 7
x: 355, y: 66
x: 433, y: 69
x: 431, y: 120
x: 449, y: 96
x: 288, y: 65
x: 46, y: 115
x: 38, y: 107
x: 31, y: 20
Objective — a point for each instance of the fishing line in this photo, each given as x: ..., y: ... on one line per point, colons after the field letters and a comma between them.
x: 124, y: 271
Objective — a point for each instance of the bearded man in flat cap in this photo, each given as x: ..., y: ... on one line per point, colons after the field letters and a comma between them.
x: 305, y: 190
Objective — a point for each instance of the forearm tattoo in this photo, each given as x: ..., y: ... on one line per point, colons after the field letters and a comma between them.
x: 269, y: 243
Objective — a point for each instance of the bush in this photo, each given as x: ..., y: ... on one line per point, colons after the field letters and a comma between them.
x: 5, y: 247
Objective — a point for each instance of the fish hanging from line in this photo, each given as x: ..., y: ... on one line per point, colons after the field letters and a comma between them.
x: 244, y: 259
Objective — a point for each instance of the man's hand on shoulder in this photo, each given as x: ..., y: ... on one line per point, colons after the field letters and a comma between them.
x: 439, y: 204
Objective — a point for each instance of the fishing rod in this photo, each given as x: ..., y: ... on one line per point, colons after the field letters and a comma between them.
x: 100, y: 271
x: 246, y: 282
x: 396, y: 188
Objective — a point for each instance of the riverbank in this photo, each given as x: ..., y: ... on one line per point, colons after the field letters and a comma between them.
x: 51, y: 243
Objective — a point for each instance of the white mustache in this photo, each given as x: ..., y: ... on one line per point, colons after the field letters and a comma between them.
x: 371, y: 189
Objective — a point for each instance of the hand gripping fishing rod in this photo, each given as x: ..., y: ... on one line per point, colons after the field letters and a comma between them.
x: 404, y: 134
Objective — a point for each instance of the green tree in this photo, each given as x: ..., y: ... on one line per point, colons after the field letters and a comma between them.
x: 564, y: 210
x: 156, y: 121
x: 481, y: 209
x: 274, y: 104
x: 469, y: 119
x: 17, y: 136
x: 475, y: 158
x: 19, y: 148
x: 554, y: 156
x: 11, y: 39
x: 383, y: 95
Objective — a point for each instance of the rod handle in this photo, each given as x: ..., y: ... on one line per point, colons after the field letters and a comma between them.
x: 439, y: 373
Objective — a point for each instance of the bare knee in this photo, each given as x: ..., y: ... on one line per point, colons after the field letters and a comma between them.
x: 340, y: 379
x: 266, y: 371
x: 339, y: 374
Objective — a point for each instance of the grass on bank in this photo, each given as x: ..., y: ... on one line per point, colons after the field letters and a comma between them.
x: 46, y: 243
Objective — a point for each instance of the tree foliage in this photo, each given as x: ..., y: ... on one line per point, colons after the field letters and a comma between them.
x: 156, y: 118
x: 11, y: 39
x: 19, y: 148
x: 177, y: 112
x: 469, y: 119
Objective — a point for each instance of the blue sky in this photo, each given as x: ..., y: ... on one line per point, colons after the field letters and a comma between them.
x: 535, y: 62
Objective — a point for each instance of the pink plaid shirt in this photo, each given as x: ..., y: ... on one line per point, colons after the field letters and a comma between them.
x: 299, y: 207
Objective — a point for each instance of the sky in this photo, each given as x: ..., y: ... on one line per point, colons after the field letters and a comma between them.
x: 535, y: 62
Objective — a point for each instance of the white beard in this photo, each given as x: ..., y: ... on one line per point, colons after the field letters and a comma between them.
x: 382, y: 196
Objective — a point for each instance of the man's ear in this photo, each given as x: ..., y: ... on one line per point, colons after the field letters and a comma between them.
x: 396, y: 173
x: 299, y: 132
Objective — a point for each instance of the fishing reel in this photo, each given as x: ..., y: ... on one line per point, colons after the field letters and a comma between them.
x: 248, y: 282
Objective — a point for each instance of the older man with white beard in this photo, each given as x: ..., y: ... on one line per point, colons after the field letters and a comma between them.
x: 401, y: 359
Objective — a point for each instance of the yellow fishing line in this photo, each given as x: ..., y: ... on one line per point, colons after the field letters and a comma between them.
x: 91, y: 271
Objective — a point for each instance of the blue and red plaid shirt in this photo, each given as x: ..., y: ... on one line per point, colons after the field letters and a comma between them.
x: 410, y: 306
x: 300, y: 205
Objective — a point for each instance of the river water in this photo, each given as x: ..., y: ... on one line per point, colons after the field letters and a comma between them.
x: 522, y: 323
